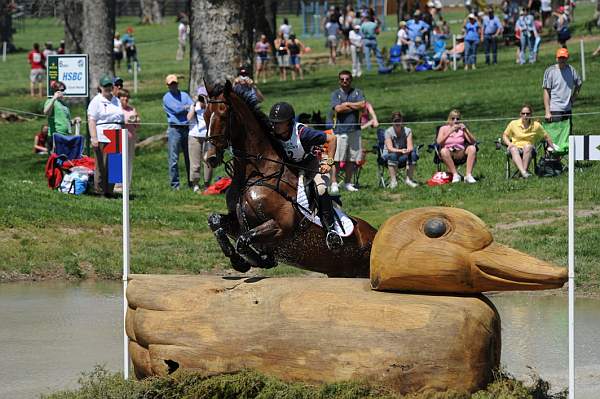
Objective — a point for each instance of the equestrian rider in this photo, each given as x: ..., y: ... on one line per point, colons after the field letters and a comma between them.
x: 298, y: 142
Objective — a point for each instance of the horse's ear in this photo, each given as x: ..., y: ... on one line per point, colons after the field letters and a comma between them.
x: 228, y: 88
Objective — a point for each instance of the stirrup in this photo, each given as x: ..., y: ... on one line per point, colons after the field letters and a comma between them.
x: 333, y: 241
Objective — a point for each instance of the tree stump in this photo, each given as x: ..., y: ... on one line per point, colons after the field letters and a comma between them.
x: 311, y: 329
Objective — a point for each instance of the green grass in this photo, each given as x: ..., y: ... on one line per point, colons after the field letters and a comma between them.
x: 45, y: 233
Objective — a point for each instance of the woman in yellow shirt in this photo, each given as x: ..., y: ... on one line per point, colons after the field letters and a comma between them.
x: 520, y: 137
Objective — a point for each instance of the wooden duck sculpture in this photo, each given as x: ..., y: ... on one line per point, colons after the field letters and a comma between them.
x: 450, y: 250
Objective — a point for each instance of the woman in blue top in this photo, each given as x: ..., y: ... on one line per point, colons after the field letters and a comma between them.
x: 472, y: 38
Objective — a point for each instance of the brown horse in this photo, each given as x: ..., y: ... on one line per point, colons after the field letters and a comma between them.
x: 263, y: 217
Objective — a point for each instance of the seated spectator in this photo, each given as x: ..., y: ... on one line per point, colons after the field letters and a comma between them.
x: 440, y: 55
x: 520, y: 136
x: 40, y: 141
x: 459, y: 49
x: 368, y: 117
x: 415, y: 54
x: 399, y: 151
x: 457, y: 145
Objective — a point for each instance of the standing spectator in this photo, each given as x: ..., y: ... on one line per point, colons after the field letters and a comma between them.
x: 346, y: 104
x: 183, y: 29
x: 528, y: 33
x: 472, y: 38
x: 37, y: 61
x: 197, y: 142
x: 295, y: 47
x: 104, y: 113
x: 356, y: 49
x: 538, y: 26
x: 492, y: 29
x: 132, y: 120
x: 176, y: 104
x: 332, y: 30
x: 399, y: 151
x: 40, y: 141
x: 561, y: 86
x: 117, y: 85
x: 117, y: 50
x: 457, y: 143
x: 283, y: 56
x: 369, y: 31
x: 61, y: 48
x: 416, y: 26
x: 244, y: 81
x: 48, y: 50
x: 59, y: 115
x: 561, y: 25
x: 402, y: 38
x: 347, y: 25
x: 131, y: 50
x: 285, y: 29
x: 262, y: 50
x: 546, y: 8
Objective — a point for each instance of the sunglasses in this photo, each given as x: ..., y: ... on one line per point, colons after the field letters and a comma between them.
x: 525, y: 113
x: 345, y: 79
x: 455, y: 118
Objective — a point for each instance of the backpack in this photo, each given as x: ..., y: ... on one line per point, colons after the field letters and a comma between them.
x: 549, y: 167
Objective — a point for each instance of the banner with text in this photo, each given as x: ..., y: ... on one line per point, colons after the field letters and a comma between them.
x: 70, y: 69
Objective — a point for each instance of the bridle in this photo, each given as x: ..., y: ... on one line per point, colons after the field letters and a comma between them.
x: 212, y: 138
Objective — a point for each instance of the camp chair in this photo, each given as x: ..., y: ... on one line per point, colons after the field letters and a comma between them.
x: 508, y: 173
x: 395, y: 54
x: 559, y: 132
x: 436, y: 148
x: 69, y: 146
x: 382, y: 165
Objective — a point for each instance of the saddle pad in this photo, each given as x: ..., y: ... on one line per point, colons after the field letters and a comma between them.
x: 348, y: 226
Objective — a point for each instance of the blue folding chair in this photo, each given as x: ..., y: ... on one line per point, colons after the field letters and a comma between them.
x: 69, y: 146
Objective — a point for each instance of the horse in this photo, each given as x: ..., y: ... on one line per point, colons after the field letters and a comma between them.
x: 264, y: 219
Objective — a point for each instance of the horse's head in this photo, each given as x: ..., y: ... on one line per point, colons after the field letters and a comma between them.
x: 219, y: 118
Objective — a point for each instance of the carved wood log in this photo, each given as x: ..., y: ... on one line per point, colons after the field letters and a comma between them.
x: 311, y: 329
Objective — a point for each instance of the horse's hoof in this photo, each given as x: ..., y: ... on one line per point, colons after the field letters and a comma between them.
x: 267, y: 261
x: 239, y: 264
x: 334, y: 241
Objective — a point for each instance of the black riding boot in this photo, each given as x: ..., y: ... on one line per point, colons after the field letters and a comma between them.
x: 333, y: 239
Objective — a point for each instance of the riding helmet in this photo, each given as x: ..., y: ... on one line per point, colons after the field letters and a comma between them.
x: 281, y: 112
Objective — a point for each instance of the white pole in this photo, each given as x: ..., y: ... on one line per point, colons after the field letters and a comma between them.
x: 4, y: 51
x: 135, y: 78
x: 582, y: 51
x: 454, y: 52
x: 77, y: 127
x: 125, y: 175
x: 571, y: 267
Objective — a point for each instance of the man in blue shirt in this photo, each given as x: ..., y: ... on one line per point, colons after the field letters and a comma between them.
x: 492, y: 28
x: 416, y: 26
x: 176, y: 104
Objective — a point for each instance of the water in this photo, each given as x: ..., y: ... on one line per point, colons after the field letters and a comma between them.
x: 52, y: 331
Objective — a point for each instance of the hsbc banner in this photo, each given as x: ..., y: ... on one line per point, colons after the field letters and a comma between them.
x: 70, y: 69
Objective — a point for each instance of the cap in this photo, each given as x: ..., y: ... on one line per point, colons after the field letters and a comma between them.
x: 402, y: 24
x: 437, y: 4
x: 171, y: 79
x: 117, y: 80
x: 201, y: 91
x: 471, y: 16
x: 106, y: 81
x: 430, y: 4
x: 129, y: 29
x: 418, y: 39
x: 356, y: 26
x: 562, y: 53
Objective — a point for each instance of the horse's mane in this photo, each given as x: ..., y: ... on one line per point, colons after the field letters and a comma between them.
x: 250, y: 100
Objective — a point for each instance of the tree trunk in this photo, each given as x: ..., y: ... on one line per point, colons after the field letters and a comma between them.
x: 6, y: 30
x: 216, y: 32
x: 72, y: 13
x: 157, y: 11
x: 146, y: 9
x: 98, y: 30
x: 311, y: 329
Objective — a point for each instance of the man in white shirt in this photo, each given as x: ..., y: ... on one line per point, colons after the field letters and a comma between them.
x: 356, y: 45
x: 183, y: 31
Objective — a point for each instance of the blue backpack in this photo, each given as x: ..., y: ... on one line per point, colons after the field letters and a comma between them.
x: 395, y: 54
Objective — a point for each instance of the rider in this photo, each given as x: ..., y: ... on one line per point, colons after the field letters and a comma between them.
x: 299, y: 142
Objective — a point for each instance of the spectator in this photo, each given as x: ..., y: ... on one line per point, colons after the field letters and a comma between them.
x: 416, y: 26
x: 520, y: 136
x: 347, y: 21
x: 537, y: 23
x: 440, y: 55
x: 459, y: 49
x: 369, y: 31
x: 285, y: 29
x: 131, y: 50
x: 332, y: 30
x: 561, y: 86
x: 402, y: 36
x: 244, y: 80
x: 40, y: 141
x: 414, y: 55
x: 132, y: 120
x: 117, y: 50
x: 399, y: 151
x: 346, y: 104
x: 262, y: 50
x: 48, y: 50
x: 368, y: 118
x: 176, y: 104
x: 356, y: 49
x: 295, y: 47
x: 104, y: 113
x: 117, y: 86
x: 472, y: 38
x: 561, y: 25
x: 197, y: 143
x: 61, y: 48
x: 546, y: 8
x: 182, y: 34
x: 457, y: 143
x: 528, y: 34
x: 59, y: 115
x: 283, y: 56
x: 37, y: 61
x: 492, y: 29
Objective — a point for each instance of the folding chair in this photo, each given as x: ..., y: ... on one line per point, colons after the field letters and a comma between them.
x: 70, y: 147
x: 436, y: 149
x: 508, y: 164
x: 381, y: 163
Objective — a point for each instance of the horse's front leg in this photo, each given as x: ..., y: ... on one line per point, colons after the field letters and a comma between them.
x: 267, y: 233
x: 222, y: 225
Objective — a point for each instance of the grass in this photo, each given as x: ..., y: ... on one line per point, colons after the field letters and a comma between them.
x: 45, y: 233
x: 250, y: 384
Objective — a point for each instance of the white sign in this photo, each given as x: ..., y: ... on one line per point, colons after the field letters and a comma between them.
x: 587, y: 148
x: 70, y: 69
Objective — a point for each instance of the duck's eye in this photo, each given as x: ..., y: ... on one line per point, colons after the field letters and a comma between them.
x: 435, y: 228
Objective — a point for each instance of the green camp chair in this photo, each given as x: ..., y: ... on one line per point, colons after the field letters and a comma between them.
x: 559, y: 132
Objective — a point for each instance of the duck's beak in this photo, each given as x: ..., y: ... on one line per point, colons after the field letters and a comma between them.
x: 500, y: 268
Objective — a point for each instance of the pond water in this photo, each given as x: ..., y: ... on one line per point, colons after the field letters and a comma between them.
x: 52, y: 331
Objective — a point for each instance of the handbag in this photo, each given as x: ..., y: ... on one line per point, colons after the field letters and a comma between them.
x: 549, y: 167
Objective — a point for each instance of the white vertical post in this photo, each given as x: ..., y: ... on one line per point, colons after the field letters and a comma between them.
x: 454, y: 52
x: 571, y: 267
x: 4, y: 51
x: 582, y: 51
x: 125, y: 175
x: 135, y: 77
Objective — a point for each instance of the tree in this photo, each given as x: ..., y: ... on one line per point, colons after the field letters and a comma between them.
x: 152, y: 11
x: 73, y: 10
x: 6, y: 29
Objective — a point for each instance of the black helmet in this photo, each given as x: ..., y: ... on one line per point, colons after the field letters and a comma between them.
x: 281, y: 112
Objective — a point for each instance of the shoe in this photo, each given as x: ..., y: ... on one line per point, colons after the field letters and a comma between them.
x: 470, y: 179
x: 175, y: 188
x: 196, y: 188
x: 334, y: 241
x: 526, y: 175
x: 456, y: 178
x: 334, y: 189
x: 393, y: 184
x: 410, y: 183
x: 350, y: 187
